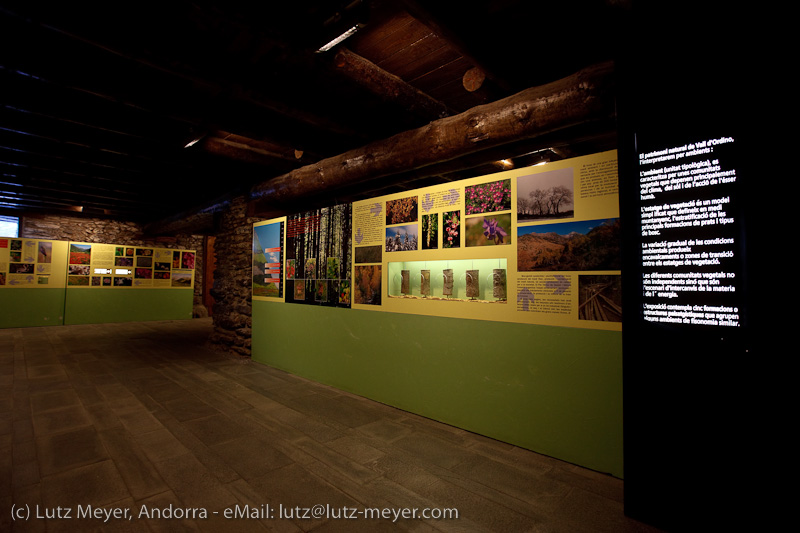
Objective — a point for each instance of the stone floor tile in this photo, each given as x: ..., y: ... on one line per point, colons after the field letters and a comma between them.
x: 250, y: 457
x: 138, y: 472
x: 96, y: 484
x: 67, y: 450
x: 60, y: 420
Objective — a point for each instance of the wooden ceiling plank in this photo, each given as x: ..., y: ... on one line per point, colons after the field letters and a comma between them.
x: 447, y: 73
x: 398, y: 43
x: 417, y: 53
x: 370, y: 43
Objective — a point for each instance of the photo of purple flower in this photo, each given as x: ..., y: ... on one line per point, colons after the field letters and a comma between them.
x: 489, y: 230
x: 492, y: 231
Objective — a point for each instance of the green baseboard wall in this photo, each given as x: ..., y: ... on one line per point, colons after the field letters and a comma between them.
x: 21, y: 308
x: 92, y: 306
x: 552, y: 390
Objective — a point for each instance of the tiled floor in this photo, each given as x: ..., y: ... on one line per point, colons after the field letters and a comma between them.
x: 139, y: 418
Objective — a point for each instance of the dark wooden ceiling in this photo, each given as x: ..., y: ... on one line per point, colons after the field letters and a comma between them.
x: 101, y: 100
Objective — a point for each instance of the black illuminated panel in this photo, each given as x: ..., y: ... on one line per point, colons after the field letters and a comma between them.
x: 691, y: 234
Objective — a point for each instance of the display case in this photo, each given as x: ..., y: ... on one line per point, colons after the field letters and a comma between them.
x: 481, y: 280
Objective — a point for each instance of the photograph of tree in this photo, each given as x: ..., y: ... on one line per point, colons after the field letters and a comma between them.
x: 430, y: 231
x: 367, y: 285
x: 402, y: 238
x: 319, y: 244
x: 401, y: 211
x: 587, y: 245
x: 546, y: 195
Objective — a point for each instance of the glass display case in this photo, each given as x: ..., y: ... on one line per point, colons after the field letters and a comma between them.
x: 461, y: 280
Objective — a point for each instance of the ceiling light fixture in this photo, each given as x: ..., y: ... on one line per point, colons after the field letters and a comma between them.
x: 339, y: 39
x: 193, y: 142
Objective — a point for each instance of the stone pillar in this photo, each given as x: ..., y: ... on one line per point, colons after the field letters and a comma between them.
x: 232, y: 290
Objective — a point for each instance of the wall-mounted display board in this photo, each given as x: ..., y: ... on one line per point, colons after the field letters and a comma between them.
x: 116, y: 266
x: 118, y: 283
x: 44, y: 282
x: 535, y: 245
x: 32, y: 281
x: 526, y: 249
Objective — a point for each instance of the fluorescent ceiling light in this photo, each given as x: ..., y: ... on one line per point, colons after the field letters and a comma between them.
x: 339, y: 39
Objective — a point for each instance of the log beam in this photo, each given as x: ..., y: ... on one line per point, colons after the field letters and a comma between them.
x: 585, y: 96
x: 388, y: 86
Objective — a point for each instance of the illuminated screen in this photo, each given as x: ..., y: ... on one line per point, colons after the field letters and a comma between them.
x: 9, y: 226
x: 691, y: 234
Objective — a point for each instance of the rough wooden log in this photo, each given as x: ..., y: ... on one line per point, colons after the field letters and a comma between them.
x: 388, y: 86
x: 587, y: 95
x: 243, y: 149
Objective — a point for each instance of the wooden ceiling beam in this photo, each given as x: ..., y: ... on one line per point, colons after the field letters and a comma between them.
x: 388, y: 86
x: 586, y: 96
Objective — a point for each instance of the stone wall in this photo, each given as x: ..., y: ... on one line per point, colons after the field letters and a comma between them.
x: 233, y: 278
x: 105, y: 231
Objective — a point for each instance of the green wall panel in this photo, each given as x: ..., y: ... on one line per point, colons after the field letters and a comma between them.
x: 20, y: 308
x: 97, y: 306
x: 553, y: 390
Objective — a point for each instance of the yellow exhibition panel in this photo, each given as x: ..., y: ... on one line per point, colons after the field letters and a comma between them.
x: 538, y: 245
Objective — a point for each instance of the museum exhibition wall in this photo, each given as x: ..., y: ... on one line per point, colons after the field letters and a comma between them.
x: 492, y: 304
x: 49, y: 282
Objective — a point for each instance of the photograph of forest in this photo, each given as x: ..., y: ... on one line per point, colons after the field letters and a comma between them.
x: 319, y: 244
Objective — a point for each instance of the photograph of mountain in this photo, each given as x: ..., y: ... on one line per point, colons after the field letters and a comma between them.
x: 578, y: 246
